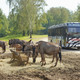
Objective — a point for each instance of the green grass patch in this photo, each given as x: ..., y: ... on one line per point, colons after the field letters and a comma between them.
x: 27, y: 38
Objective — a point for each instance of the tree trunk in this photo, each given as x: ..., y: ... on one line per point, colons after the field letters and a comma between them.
x: 30, y: 34
x: 23, y: 33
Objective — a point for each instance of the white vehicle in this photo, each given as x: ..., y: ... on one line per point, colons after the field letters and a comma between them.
x: 66, y: 35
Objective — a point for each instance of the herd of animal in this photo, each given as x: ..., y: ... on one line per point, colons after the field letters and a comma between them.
x: 28, y: 47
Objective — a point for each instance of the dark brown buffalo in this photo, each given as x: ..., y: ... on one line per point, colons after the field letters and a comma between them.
x: 28, y: 49
x: 3, y: 46
x: 18, y: 47
x: 21, y: 46
x: 16, y: 41
x: 49, y: 49
x: 43, y: 47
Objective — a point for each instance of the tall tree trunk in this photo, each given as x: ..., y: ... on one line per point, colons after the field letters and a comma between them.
x: 30, y: 34
x: 23, y: 33
x: 30, y: 29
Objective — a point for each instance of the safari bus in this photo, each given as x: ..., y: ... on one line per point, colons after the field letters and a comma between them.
x: 67, y: 35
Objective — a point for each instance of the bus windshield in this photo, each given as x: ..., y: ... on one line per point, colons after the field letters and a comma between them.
x: 74, y: 30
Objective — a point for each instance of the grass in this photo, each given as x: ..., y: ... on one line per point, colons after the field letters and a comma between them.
x: 34, y: 37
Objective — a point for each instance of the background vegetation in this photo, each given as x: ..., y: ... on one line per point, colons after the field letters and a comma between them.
x: 26, y: 38
x: 28, y: 17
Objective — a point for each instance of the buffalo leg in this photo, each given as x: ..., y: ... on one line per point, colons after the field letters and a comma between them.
x: 53, y: 59
x: 34, y: 57
x: 43, y: 59
x: 3, y: 51
x: 56, y: 60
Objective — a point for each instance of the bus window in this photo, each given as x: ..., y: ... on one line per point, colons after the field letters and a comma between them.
x: 78, y: 29
x: 75, y: 30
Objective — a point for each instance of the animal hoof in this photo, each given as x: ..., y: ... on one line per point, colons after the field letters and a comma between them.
x: 34, y: 60
x: 43, y: 63
x: 54, y: 66
x: 52, y: 61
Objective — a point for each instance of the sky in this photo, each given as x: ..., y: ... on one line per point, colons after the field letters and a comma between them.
x: 4, y: 7
x: 69, y: 4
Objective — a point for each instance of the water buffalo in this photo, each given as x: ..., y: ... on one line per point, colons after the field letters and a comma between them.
x: 18, y: 47
x: 16, y: 43
x: 3, y: 46
x: 21, y: 47
x: 49, y: 49
x: 28, y: 49
x: 43, y: 47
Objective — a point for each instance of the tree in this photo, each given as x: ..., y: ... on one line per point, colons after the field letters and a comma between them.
x: 73, y: 17
x: 13, y: 23
x: 3, y: 25
x: 78, y: 13
x: 56, y: 16
x: 29, y: 12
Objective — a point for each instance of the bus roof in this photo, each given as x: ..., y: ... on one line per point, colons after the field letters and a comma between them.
x: 69, y: 24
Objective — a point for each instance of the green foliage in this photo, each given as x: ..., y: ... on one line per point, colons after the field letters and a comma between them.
x: 3, y: 25
x: 78, y: 13
x: 13, y: 29
x: 26, y: 15
x: 57, y: 15
x: 73, y: 17
x: 26, y: 38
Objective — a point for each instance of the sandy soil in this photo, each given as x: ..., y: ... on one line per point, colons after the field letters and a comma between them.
x: 68, y: 69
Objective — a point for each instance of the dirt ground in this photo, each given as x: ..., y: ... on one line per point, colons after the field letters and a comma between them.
x: 68, y: 69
